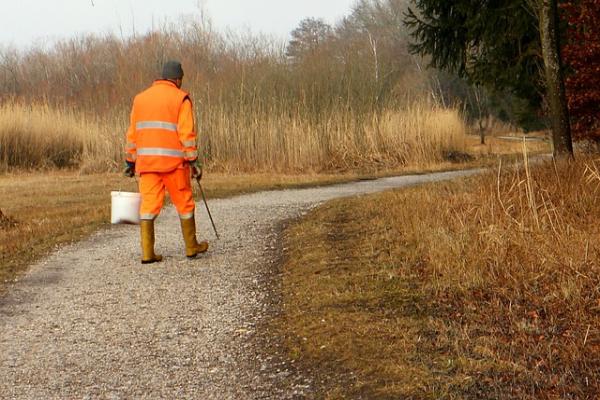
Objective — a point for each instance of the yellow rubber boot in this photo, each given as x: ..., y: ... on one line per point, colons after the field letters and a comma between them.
x: 147, y: 230
x: 192, y: 247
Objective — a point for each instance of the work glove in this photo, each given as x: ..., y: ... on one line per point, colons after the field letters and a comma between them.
x: 196, y: 170
x: 130, y: 169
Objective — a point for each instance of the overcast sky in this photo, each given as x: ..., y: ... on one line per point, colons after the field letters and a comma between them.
x: 27, y: 22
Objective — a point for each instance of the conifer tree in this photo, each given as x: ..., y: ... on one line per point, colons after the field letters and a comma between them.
x: 504, y: 44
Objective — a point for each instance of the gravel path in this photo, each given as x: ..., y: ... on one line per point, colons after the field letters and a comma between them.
x: 91, y: 322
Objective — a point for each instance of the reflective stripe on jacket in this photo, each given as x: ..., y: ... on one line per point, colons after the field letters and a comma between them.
x: 161, y: 134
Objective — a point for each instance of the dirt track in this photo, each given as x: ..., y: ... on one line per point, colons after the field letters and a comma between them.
x: 91, y: 322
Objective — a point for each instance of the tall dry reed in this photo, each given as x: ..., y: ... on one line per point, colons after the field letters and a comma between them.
x: 38, y: 136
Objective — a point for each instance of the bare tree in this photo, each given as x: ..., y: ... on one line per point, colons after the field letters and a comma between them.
x: 307, y: 37
x: 482, y: 111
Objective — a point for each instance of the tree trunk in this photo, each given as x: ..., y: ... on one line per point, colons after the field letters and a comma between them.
x: 479, y: 98
x: 555, y: 84
x: 481, y: 132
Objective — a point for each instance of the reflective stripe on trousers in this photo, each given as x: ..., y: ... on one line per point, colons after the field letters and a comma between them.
x: 186, y: 216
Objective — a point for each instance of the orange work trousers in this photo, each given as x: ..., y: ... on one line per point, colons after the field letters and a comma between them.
x: 179, y: 186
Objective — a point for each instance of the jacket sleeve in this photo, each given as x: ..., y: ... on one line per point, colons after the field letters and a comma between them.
x: 131, y: 147
x: 186, y: 130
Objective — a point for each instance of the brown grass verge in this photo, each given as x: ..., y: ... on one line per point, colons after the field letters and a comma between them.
x: 487, y: 288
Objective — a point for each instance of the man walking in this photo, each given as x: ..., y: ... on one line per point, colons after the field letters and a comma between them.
x: 162, y: 149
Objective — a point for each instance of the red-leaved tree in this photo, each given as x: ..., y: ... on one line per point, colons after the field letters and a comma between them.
x: 582, y: 56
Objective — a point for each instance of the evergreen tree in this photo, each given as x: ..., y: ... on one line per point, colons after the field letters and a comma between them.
x: 497, y: 44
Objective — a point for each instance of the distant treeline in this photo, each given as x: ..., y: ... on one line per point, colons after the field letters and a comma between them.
x: 361, y: 63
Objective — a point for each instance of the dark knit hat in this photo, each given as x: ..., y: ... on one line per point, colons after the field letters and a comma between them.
x: 172, y: 70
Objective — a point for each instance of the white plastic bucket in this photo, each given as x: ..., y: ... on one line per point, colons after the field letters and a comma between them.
x: 125, y: 208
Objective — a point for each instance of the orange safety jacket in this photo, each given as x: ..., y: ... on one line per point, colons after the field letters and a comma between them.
x: 161, y: 134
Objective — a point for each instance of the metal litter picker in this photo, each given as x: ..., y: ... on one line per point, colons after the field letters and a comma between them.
x: 207, y: 209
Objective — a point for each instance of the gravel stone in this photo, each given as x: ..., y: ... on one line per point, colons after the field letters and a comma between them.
x: 91, y: 322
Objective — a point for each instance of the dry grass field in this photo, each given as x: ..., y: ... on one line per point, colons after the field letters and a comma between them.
x: 486, y: 288
x: 497, y: 145
x: 41, y: 211
x: 44, y: 209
